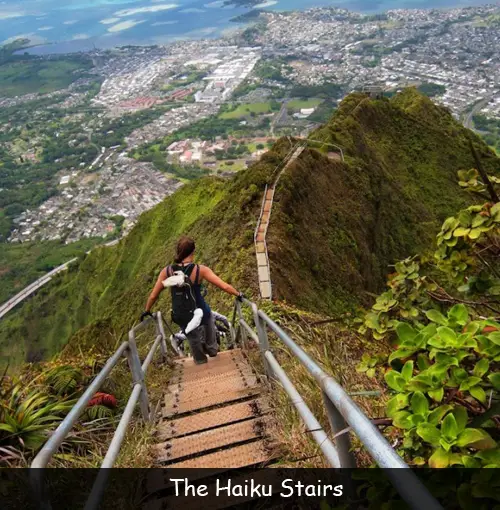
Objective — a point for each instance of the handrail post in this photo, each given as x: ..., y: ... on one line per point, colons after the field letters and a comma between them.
x: 138, y: 375
x: 161, y: 331
x: 263, y: 339
x: 343, y: 441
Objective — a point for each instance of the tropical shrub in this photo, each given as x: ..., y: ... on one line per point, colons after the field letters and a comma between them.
x: 28, y: 414
x: 442, y: 314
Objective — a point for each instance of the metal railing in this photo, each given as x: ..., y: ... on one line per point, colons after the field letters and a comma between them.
x: 139, y: 394
x: 343, y: 414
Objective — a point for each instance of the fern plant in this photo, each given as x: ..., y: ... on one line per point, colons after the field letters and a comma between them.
x: 64, y: 380
x: 27, y: 416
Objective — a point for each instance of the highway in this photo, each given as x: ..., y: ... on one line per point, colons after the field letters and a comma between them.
x: 27, y: 291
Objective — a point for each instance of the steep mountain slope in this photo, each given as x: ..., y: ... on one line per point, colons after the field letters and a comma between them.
x: 335, y: 228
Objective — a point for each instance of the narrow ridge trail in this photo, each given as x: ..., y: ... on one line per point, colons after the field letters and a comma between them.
x: 263, y: 266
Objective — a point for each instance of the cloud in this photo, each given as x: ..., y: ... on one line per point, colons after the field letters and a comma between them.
x: 43, y: 29
x: 124, y: 25
x: 32, y: 38
x: 263, y: 5
x: 109, y: 21
x: 80, y: 37
x: 12, y: 14
x: 161, y: 23
x: 215, y: 5
x: 193, y: 10
x: 70, y: 22
x: 142, y: 10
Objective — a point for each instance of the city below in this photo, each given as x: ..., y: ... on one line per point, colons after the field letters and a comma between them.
x: 142, y: 121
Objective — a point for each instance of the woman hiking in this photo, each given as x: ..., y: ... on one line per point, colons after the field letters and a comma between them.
x: 188, y: 299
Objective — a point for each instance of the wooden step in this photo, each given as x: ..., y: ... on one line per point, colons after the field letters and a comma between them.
x: 178, y: 448
x: 174, y: 409
x: 245, y: 455
x: 211, y: 419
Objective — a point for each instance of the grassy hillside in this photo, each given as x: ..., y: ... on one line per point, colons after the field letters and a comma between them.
x: 100, y: 298
x: 334, y: 231
x: 337, y: 227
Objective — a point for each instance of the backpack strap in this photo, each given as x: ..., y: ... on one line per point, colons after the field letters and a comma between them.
x: 197, y: 279
x: 170, y: 271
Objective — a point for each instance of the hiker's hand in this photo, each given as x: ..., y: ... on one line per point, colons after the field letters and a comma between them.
x: 241, y: 297
x: 145, y: 315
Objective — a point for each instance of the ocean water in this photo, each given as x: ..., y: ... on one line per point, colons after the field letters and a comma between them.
x: 57, y: 26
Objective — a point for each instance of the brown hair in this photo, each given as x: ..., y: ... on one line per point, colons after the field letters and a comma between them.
x: 185, y: 246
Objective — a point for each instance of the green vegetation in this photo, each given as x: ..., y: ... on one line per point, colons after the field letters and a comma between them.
x: 385, y: 203
x: 490, y: 130
x: 441, y: 313
x: 431, y: 339
x: 205, y: 129
x: 273, y: 70
x: 297, y: 104
x: 432, y: 89
x: 27, y: 74
x: 325, y: 91
x: 324, y: 112
x: 22, y: 264
x: 246, y: 110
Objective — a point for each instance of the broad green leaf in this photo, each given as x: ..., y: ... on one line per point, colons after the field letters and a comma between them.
x: 470, y: 462
x: 475, y: 233
x: 472, y: 328
x: 469, y: 383
x: 429, y: 433
x: 447, y: 335
x: 449, y: 428
x: 494, y: 337
x: 489, y: 456
x: 475, y: 438
x: 495, y: 380
x: 405, y: 332
x: 459, y: 314
x: 447, y: 445
x: 439, y: 459
x: 394, y: 380
x: 478, y: 393
x: 407, y: 370
x: 461, y: 417
x: 416, y: 419
x: 461, y: 232
x: 438, y: 414
x: 401, y: 354
x: 423, y: 362
x: 436, y: 316
x: 436, y: 395
x: 419, y: 403
x: 401, y: 420
x: 398, y: 402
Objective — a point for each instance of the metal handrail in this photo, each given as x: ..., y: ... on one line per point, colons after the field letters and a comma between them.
x: 138, y: 394
x: 340, y: 408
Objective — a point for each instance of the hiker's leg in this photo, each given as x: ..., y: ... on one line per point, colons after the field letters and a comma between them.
x: 196, y: 341
x: 211, y: 338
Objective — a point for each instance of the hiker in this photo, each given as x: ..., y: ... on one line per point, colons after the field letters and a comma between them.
x: 222, y: 328
x: 184, y: 277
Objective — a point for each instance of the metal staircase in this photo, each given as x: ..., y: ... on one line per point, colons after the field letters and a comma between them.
x: 215, y: 415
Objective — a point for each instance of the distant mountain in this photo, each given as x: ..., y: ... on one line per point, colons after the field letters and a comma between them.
x: 335, y: 228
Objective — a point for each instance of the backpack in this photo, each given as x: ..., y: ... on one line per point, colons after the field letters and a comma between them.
x: 183, y: 297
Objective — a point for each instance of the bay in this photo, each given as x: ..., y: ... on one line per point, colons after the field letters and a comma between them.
x: 61, y: 27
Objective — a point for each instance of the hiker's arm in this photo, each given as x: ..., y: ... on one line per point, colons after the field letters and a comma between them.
x: 208, y: 275
x: 156, y: 290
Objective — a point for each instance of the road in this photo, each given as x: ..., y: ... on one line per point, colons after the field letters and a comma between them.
x: 469, y: 119
x: 27, y: 291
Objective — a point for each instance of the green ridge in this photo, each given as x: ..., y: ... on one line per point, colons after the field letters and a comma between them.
x: 334, y: 232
